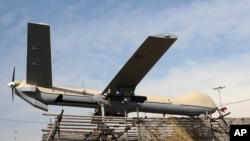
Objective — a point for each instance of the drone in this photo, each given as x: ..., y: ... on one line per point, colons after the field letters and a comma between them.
x: 118, y: 96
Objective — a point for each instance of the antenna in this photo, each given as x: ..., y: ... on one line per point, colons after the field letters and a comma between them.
x: 218, y: 89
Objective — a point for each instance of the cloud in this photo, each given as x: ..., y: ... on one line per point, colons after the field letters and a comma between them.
x: 7, y: 18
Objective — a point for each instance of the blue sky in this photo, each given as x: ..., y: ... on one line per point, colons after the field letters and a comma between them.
x: 92, y: 39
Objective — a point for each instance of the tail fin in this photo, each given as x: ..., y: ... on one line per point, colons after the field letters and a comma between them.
x: 39, y: 70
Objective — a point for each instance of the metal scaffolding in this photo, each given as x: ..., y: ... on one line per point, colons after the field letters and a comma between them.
x: 80, y: 128
x: 77, y: 127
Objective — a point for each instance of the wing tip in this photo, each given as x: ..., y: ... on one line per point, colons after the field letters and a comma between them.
x: 168, y: 36
x: 45, y: 24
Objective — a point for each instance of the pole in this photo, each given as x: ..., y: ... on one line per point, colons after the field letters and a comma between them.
x: 125, y: 112
x: 218, y: 89
x: 102, y: 106
x: 103, y: 112
x: 138, y: 124
x: 14, y: 135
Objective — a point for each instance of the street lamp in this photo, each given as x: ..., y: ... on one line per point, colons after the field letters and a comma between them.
x: 14, y: 135
x: 218, y: 89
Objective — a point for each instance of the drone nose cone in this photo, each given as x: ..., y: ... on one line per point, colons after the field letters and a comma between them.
x: 13, y: 84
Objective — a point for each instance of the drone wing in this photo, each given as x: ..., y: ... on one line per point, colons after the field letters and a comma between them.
x: 139, y: 64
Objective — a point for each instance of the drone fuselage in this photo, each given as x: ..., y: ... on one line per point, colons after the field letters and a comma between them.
x: 192, y: 104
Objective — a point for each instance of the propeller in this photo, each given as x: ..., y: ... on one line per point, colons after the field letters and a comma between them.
x: 13, y: 84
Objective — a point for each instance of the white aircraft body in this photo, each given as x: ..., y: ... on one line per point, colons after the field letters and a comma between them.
x: 119, y: 95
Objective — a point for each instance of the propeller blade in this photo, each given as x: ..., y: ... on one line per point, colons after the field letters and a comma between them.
x: 13, y: 75
x: 12, y: 89
x: 13, y: 80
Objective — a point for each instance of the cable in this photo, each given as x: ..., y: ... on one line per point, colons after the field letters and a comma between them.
x: 236, y: 102
x: 36, y: 122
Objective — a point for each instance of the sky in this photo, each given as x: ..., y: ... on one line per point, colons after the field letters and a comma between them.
x: 92, y: 39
